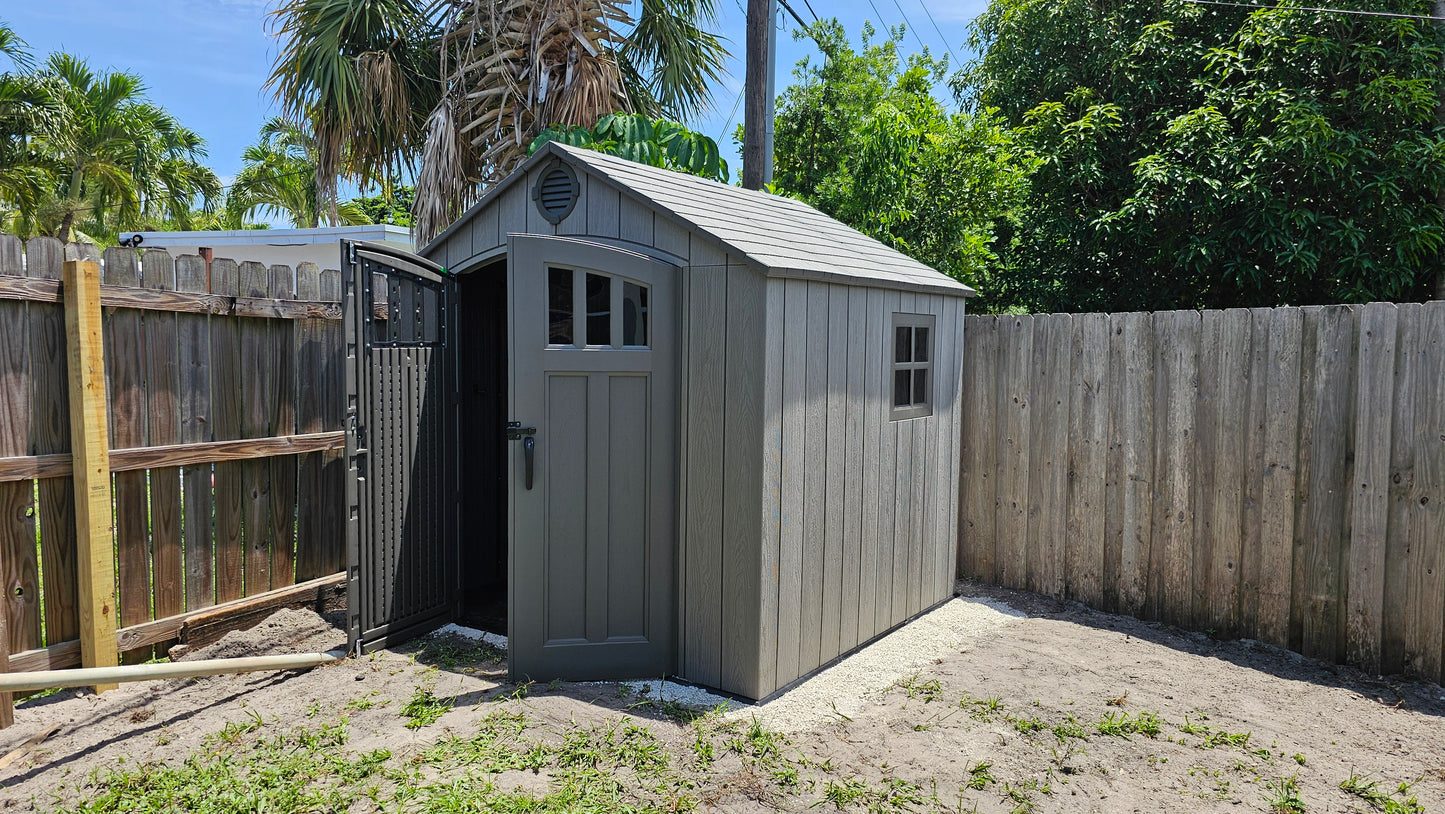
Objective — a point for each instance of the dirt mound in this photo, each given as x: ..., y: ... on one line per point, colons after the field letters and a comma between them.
x: 283, y: 632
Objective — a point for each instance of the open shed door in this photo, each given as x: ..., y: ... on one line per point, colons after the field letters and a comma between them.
x: 593, y: 461
x: 402, y: 551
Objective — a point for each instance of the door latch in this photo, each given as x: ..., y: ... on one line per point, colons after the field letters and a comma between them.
x: 527, y: 435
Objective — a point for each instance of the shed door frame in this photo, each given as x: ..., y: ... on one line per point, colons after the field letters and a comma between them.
x: 401, y: 415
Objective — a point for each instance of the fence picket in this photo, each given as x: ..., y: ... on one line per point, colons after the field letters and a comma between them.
x: 226, y: 389
x: 1049, y: 452
x: 194, y: 361
x: 282, y: 421
x: 164, y: 415
x: 1088, y: 459
x: 1375, y: 369
x: 1016, y: 337
x: 256, y: 387
x: 19, y: 571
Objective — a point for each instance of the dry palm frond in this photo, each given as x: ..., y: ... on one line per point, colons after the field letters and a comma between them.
x: 511, y: 69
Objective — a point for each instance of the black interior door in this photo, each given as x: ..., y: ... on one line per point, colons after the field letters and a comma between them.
x: 402, y: 445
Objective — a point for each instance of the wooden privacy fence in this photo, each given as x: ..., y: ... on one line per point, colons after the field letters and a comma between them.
x: 1277, y: 474
x: 225, y: 427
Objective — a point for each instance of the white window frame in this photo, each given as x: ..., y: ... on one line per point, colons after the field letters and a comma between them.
x: 914, y: 409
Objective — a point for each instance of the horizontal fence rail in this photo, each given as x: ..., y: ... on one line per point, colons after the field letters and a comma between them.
x: 1277, y: 474
x: 224, y: 417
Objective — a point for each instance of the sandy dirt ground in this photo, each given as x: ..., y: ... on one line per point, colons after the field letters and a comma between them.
x: 1056, y: 708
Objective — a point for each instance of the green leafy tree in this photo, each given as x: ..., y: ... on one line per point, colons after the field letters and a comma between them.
x: 1194, y: 156
x: 392, y: 206
x: 862, y: 137
x: 635, y: 137
x: 278, y: 178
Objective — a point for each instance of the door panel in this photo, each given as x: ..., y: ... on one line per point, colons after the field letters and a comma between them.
x: 401, y: 403
x: 593, y: 370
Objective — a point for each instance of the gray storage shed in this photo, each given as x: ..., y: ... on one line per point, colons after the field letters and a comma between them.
x: 667, y: 426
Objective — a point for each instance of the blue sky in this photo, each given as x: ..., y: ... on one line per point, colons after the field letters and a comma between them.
x: 207, y: 60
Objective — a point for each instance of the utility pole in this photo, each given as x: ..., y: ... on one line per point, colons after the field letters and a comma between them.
x: 758, y: 82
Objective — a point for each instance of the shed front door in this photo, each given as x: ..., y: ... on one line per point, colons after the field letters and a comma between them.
x: 402, y: 574
x: 593, y: 460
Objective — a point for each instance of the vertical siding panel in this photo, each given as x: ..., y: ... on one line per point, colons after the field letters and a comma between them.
x: 834, y: 541
x: 903, y: 555
x: 944, y: 462
x: 979, y: 460
x: 576, y: 222
x: 1048, y: 454
x: 870, y: 436
x: 815, y: 452
x: 887, y: 469
x: 1375, y: 371
x: 954, y: 497
x: 772, y: 491
x: 791, y: 562
x: 856, y: 326
x: 635, y: 221
x: 512, y: 206
x: 706, y: 372
x: 484, y: 232
x: 743, y: 486
x: 925, y: 439
x: 670, y: 238
x: 604, y: 209
x: 1171, y: 561
x: 1088, y: 459
x: 1011, y: 517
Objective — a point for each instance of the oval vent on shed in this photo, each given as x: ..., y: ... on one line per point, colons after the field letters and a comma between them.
x: 556, y: 193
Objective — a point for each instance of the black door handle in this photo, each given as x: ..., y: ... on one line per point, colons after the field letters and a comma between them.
x: 529, y: 447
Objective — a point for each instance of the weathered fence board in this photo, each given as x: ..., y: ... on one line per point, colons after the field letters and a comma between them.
x: 1277, y: 474
x: 185, y: 417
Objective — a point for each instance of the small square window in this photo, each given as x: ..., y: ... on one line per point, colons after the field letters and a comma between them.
x: 912, y: 366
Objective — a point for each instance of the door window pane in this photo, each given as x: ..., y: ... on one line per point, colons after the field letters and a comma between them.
x: 920, y: 344
x: 559, y: 306
x: 599, y: 310
x: 920, y: 385
x: 634, y: 314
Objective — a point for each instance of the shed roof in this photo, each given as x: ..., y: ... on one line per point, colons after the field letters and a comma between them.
x: 783, y: 236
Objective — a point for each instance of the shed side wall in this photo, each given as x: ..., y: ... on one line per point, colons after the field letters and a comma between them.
x: 858, y: 514
x: 721, y: 471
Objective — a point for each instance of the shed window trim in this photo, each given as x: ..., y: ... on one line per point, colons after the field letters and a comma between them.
x: 911, y: 354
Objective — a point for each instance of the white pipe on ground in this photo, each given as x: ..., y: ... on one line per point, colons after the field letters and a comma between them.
x: 89, y: 676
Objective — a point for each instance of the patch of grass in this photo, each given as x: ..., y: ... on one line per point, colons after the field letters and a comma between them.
x: 1122, y: 725
x: 1021, y: 795
x: 1028, y: 726
x: 1070, y: 728
x: 916, y: 688
x: 450, y: 652
x: 424, y: 708
x: 1392, y: 802
x: 1282, y: 796
x: 979, y: 776
x: 981, y: 708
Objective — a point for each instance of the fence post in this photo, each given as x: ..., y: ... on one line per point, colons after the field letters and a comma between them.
x: 90, y: 448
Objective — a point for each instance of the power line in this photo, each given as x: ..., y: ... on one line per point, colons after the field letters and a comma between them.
x: 946, y: 43
x: 909, y: 23
x: 1321, y: 10
x: 731, y: 116
x: 789, y: 9
x: 810, y: 10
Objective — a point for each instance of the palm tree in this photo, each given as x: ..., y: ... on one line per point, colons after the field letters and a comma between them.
x: 115, y: 157
x: 467, y: 84
x: 278, y: 178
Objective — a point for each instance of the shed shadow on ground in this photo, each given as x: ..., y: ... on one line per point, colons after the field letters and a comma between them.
x: 1391, y: 691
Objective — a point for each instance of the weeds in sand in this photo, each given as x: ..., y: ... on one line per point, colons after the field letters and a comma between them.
x: 1121, y: 725
x: 1393, y: 802
x: 981, y: 708
x: 450, y: 652
x: 915, y: 688
x: 1282, y: 796
x: 1070, y: 728
x: 1022, y: 797
x: 1028, y: 726
x: 979, y: 776
x: 424, y: 708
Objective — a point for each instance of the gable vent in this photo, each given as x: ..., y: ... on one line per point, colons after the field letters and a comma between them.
x: 556, y: 193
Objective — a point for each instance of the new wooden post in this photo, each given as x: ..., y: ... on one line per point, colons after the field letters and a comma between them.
x: 90, y: 448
